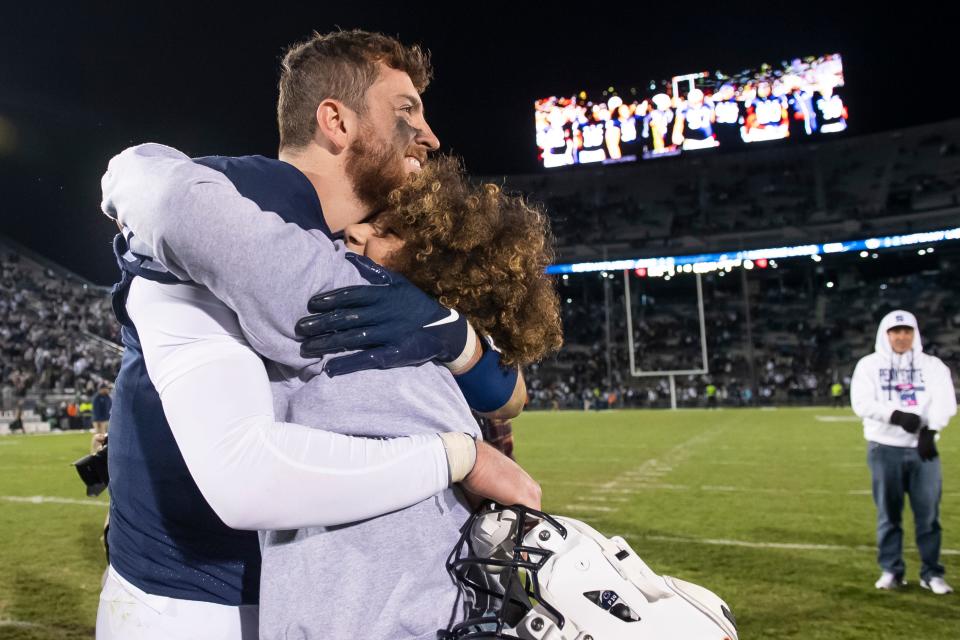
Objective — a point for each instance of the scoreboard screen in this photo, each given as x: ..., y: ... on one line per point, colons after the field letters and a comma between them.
x: 690, y: 113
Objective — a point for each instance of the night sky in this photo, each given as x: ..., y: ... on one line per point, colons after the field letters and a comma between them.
x: 78, y: 85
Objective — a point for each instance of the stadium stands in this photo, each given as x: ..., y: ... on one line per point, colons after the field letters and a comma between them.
x: 810, y: 323
x: 805, y: 335
x: 58, y: 337
x: 907, y: 180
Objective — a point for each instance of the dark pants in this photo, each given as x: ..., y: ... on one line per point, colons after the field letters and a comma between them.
x: 895, y: 471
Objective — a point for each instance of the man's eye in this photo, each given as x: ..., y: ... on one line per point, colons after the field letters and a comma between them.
x: 407, y: 109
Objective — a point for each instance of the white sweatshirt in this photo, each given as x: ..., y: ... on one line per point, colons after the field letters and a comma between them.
x: 912, y: 382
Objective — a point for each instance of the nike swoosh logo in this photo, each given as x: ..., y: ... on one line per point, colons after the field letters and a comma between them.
x: 453, y: 317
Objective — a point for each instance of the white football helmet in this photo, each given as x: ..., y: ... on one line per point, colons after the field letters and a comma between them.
x: 563, y: 580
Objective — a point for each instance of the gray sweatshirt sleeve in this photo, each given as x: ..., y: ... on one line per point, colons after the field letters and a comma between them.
x: 196, y: 223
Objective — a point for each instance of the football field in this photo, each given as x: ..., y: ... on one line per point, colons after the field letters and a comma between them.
x: 769, y: 509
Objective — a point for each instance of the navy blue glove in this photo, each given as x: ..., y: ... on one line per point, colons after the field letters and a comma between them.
x: 392, y: 321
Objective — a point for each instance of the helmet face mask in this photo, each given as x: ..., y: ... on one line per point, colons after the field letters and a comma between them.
x: 526, y: 574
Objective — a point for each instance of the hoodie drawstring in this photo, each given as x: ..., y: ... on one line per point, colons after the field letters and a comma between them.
x: 890, y: 377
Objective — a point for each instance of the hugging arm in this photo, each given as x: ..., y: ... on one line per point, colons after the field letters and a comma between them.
x: 195, y: 222
x: 254, y: 472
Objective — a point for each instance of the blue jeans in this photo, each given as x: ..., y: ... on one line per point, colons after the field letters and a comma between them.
x: 895, y: 471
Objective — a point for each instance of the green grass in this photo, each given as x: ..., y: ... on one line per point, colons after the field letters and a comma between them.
x: 669, y: 482
x: 51, y: 557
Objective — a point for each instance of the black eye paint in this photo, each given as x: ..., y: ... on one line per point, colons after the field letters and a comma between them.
x: 404, y: 132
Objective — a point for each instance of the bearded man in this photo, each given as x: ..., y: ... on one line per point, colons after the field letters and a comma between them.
x: 186, y: 496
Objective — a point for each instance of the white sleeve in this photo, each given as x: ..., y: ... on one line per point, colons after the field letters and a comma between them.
x: 864, y: 393
x: 257, y: 473
x: 943, y: 398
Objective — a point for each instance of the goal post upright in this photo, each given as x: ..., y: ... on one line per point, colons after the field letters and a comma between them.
x: 671, y: 374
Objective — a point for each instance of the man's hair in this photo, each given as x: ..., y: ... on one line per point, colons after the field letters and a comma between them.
x: 340, y: 65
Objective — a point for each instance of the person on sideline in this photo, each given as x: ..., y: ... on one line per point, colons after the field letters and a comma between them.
x: 905, y: 397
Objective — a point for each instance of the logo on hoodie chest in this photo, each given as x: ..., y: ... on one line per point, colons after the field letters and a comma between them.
x: 905, y: 383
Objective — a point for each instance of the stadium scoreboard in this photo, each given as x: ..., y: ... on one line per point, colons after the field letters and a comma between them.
x: 690, y: 113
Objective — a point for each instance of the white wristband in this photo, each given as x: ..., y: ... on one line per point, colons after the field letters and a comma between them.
x: 469, y: 350
x: 461, y: 451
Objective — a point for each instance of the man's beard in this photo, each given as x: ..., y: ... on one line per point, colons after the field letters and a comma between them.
x: 374, y: 171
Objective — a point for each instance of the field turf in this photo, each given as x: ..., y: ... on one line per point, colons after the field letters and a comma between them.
x: 770, y: 509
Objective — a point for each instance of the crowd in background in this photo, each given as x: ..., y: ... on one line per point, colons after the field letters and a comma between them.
x: 809, y: 322
x: 847, y: 188
x: 58, y: 336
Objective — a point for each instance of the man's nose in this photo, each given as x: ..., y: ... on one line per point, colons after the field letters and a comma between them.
x: 426, y: 137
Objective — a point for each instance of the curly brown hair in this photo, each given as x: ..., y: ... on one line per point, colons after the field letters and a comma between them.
x: 340, y: 65
x: 480, y: 251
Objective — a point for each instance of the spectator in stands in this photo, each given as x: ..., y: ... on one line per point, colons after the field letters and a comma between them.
x: 836, y: 392
x: 73, y: 415
x: 86, y: 412
x: 905, y: 398
x: 17, y: 423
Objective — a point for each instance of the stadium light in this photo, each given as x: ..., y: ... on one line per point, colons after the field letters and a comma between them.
x: 711, y: 262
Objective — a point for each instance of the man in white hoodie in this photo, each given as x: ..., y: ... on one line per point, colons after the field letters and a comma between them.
x: 905, y: 398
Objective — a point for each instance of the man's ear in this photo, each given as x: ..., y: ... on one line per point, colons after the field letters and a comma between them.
x: 335, y: 122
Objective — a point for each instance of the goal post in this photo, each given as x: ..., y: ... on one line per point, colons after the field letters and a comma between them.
x: 671, y: 374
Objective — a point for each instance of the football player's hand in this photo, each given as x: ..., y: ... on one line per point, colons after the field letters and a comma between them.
x: 926, y: 446
x: 908, y: 421
x: 496, y: 477
x: 394, y: 323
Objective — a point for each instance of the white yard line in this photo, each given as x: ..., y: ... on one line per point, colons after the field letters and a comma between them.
x: 610, y: 498
x: 632, y: 487
x: 34, y: 434
x: 19, y: 624
x: 657, y: 467
x: 54, y: 500
x: 49, y: 631
x: 588, y: 507
x: 836, y: 418
x: 793, y: 546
